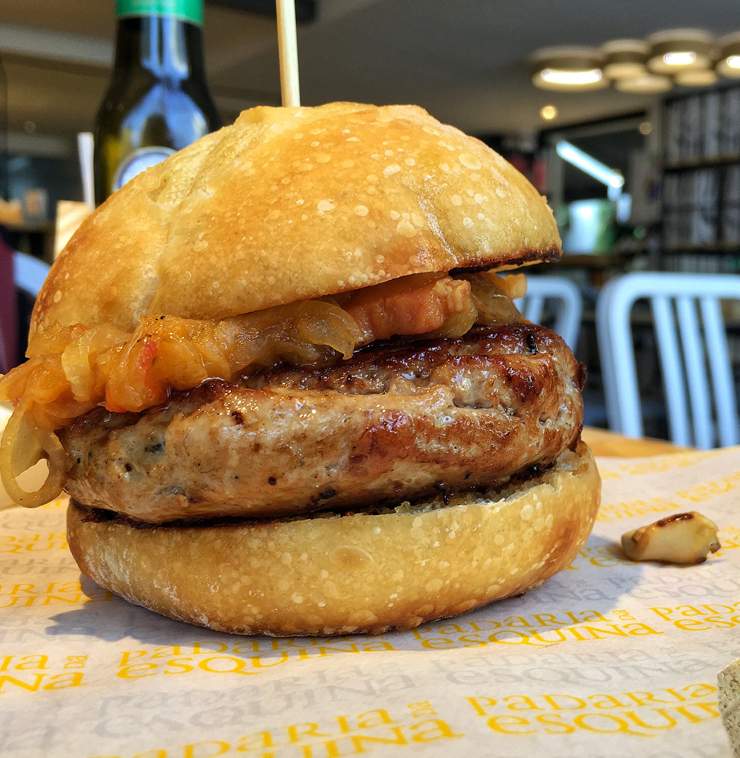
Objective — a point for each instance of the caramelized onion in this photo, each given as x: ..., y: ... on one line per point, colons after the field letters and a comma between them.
x: 24, y: 443
x: 79, y: 358
x: 494, y: 307
x: 72, y: 369
x: 513, y: 286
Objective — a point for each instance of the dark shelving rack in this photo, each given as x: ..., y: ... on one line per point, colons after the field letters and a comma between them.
x: 701, y: 181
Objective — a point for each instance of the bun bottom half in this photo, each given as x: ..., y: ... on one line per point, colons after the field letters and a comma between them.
x: 331, y: 574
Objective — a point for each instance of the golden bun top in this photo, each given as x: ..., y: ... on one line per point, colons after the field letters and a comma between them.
x: 289, y: 204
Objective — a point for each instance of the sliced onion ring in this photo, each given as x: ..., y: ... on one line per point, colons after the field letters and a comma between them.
x: 18, y: 452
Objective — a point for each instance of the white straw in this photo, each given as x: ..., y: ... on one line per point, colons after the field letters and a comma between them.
x: 85, y: 146
x: 288, y: 49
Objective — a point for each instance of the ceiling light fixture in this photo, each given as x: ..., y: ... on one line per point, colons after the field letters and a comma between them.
x: 688, y: 57
x: 680, y: 50
x: 679, y: 59
x: 594, y: 168
x: 549, y: 112
x: 568, y: 69
x: 624, y: 58
x: 729, y: 56
x: 558, y: 76
x: 647, y: 84
x: 697, y: 78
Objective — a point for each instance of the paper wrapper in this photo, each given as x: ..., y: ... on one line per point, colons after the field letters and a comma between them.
x: 608, y: 658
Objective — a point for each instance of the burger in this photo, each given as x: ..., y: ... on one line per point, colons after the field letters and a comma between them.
x: 283, y: 381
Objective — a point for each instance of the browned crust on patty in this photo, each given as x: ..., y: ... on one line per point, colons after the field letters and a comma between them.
x: 391, y: 424
x: 359, y: 573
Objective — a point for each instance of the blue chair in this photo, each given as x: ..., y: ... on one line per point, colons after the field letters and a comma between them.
x: 29, y: 273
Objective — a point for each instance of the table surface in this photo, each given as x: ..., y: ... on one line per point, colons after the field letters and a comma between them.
x: 606, y: 443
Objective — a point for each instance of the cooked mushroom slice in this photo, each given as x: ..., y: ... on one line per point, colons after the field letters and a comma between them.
x: 683, y: 538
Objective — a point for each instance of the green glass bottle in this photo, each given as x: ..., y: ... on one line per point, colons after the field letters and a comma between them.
x: 158, y: 100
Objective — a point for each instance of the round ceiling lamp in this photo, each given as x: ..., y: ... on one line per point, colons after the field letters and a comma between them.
x: 679, y: 50
x: 548, y: 112
x: 697, y: 78
x: 568, y: 69
x: 729, y: 56
x: 624, y: 58
x: 647, y: 84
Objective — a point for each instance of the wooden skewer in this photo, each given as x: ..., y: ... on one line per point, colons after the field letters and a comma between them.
x: 288, y: 49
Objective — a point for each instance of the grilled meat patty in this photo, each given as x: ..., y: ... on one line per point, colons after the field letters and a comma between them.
x: 396, y: 422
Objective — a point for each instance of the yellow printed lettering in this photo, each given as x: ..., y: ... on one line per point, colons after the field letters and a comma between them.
x: 555, y: 720
x: 691, y: 626
x: 450, y: 629
x: 605, y: 701
x: 137, y: 671
x: 75, y: 662
x: 700, y: 690
x: 166, y: 652
x: 31, y: 687
x: 639, y: 630
x: 710, y: 708
x: 484, y: 626
x: 229, y: 666
x: 31, y: 662
x: 517, y: 621
x: 594, y: 616
x: 372, y: 646
x: 126, y: 657
x: 567, y: 702
x: 296, y: 732
x: 421, y: 709
x: 684, y: 711
x: 481, y: 703
x: 398, y: 739
x: 437, y: 643
x: 438, y: 730
x: 601, y: 722
x: 473, y: 639
x: 669, y: 721
x: 206, y: 749
x: 27, y: 588
x: 62, y: 681
x: 178, y: 663
x: 258, y: 664
x: 521, y: 703
x: 505, y: 724
x: 374, y: 718
x: 254, y: 741
x: 203, y: 647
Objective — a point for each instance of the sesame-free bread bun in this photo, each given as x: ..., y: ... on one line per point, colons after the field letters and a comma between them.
x: 295, y: 203
x: 329, y: 574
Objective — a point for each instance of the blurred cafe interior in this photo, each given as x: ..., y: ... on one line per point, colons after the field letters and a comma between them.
x: 625, y: 115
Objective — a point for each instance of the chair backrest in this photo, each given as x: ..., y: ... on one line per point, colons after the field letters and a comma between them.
x: 29, y: 273
x: 677, y: 300
x: 569, y: 306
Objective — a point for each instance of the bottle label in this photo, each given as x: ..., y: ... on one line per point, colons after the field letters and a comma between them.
x: 139, y: 161
x: 187, y: 10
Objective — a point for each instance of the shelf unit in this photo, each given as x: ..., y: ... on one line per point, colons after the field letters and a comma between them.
x: 701, y: 181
